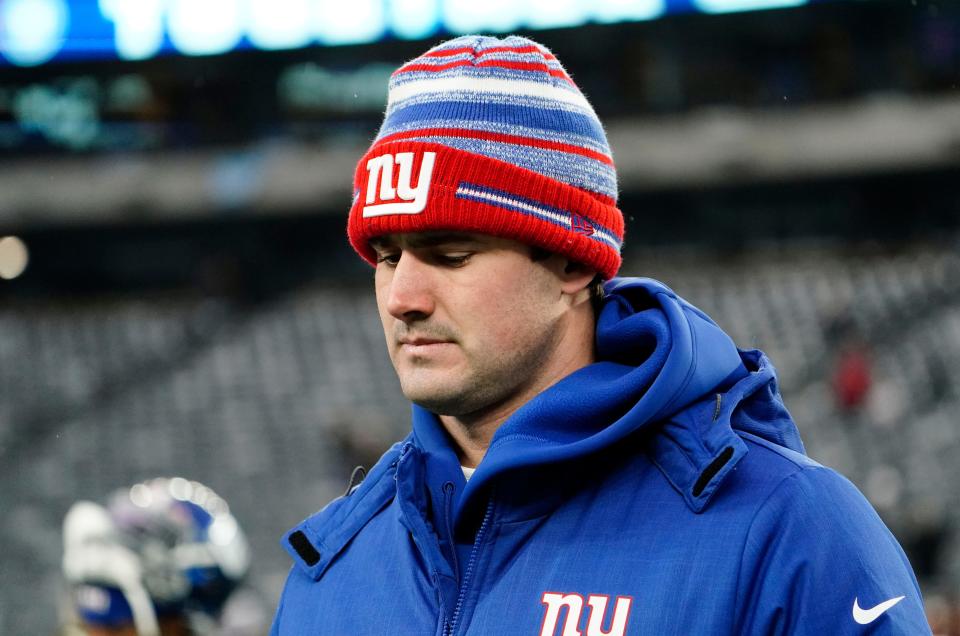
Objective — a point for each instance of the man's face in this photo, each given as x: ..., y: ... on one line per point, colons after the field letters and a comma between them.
x: 470, y: 319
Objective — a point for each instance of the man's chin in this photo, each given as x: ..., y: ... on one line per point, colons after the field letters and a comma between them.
x: 438, y: 404
x: 441, y: 400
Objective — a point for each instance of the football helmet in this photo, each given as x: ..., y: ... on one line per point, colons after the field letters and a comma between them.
x: 164, y: 547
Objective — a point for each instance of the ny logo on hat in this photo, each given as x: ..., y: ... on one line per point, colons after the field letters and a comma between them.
x: 405, y: 198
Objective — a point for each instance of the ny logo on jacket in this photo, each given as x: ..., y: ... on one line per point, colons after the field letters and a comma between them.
x: 574, y: 605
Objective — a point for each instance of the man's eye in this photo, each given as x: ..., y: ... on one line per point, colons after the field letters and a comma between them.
x: 455, y: 259
x: 389, y: 258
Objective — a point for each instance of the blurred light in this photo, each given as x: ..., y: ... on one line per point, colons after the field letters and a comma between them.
x: 413, y: 19
x: 65, y: 114
x: 14, y: 257
x: 279, y: 24
x: 729, y: 6
x: 548, y: 14
x: 200, y: 494
x: 141, y: 496
x: 311, y: 87
x: 138, y: 26
x: 223, y: 530
x: 609, y: 11
x: 471, y: 16
x: 128, y: 93
x: 204, y: 28
x: 92, y: 598
x: 33, y: 31
x: 216, y: 506
x: 350, y: 21
x: 180, y: 489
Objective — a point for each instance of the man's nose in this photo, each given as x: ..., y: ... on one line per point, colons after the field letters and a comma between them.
x: 410, y: 296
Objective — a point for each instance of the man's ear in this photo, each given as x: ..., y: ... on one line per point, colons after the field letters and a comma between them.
x: 575, y: 277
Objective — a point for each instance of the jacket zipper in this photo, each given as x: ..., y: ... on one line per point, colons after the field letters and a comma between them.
x: 452, y: 625
x: 448, y: 517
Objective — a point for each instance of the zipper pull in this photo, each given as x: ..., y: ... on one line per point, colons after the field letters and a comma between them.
x: 448, y: 489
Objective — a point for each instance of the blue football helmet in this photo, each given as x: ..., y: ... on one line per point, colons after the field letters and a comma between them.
x: 163, y: 547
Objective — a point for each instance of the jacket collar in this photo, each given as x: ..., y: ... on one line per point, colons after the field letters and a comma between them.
x: 316, y: 541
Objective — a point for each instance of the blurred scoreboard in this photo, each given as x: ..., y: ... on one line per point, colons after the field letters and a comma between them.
x: 140, y: 75
x: 34, y: 32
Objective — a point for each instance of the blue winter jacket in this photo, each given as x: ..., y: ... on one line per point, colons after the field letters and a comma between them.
x: 661, y: 490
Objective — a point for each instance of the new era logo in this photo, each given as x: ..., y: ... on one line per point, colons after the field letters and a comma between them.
x: 581, y: 224
x: 404, y: 198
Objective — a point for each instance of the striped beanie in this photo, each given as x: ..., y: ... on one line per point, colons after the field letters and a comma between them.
x: 491, y: 136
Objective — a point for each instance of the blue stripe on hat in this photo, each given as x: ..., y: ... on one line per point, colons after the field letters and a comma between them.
x: 497, y: 128
x: 487, y: 97
x: 568, y: 127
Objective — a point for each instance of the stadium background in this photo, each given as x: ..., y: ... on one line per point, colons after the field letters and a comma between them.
x: 180, y: 298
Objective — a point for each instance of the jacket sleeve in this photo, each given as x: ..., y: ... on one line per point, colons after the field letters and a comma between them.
x: 818, y: 560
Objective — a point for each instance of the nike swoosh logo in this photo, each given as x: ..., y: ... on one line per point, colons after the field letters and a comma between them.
x: 867, y: 616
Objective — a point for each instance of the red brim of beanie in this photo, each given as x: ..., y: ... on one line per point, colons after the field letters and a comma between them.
x: 414, y: 186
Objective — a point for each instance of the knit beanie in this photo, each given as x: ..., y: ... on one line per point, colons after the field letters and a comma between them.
x: 491, y: 136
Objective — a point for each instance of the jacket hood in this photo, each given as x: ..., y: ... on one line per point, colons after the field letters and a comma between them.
x: 662, y: 361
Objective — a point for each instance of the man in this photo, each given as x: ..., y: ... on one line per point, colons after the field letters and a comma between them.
x: 571, y: 470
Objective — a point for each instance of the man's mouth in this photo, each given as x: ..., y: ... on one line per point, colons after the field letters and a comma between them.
x: 417, y: 342
x: 422, y: 345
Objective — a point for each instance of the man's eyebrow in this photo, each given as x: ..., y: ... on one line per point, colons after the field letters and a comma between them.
x: 440, y: 238
x: 431, y: 239
x: 380, y: 242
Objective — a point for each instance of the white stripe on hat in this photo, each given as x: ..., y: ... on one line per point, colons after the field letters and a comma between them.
x: 557, y: 217
x: 487, y: 85
x: 440, y: 60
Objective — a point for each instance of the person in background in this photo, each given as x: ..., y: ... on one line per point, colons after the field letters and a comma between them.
x: 164, y: 557
x: 589, y: 455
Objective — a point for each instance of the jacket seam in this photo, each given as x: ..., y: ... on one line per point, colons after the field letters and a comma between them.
x: 513, y: 436
x: 753, y: 519
x: 766, y: 445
